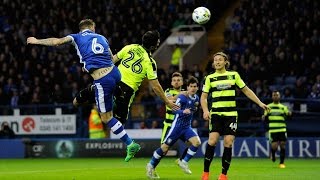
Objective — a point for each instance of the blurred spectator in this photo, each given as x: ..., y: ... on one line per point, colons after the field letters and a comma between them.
x: 6, y: 132
x: 195, y: 123
x: 315, y: 94
x: 143, y: 125
x: 196, y: 72
x: 175, y: 58
x: 287, y: 93
x: 14, y: 101
x: 96, y: 129
x: 155, y: 124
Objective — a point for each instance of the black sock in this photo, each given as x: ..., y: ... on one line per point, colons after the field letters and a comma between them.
x: 273, y: 155
x: 226, y: 159
x: 208, y: 157
x: 184, y: 153
x: 282, y: 155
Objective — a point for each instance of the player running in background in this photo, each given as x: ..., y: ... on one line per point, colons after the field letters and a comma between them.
x: 222, y: 114
x: 171, y: 94
x: 136, y: 64
x: 180, y: 129
x: 276, y: 119
x: 97, y: 59
x: 176, y: 83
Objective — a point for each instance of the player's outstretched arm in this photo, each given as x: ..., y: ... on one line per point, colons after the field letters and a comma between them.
x: 159, y: 92
x: 49, y: 41
x: 115, y: 59
x: 252, y: 96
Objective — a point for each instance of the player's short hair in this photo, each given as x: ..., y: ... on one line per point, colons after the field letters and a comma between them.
x: 150, y: 38
x: 192, y: 80
x: 226, y: 57
x: 176, y: 74
x: 86, y: 23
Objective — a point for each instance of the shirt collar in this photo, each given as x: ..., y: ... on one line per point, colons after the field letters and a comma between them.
x: 86, y: 30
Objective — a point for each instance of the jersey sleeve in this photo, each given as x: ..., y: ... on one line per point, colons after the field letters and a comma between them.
x: 206, y: 86
x: 167, y: 92
x: 151, y: 70
x: 73, y: 38
x: 181, y: 101
x: 239, y: 82
x: 286, y: 110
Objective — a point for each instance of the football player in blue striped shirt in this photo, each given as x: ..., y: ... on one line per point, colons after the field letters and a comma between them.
x: 180, y: 129
x: 97, y: 59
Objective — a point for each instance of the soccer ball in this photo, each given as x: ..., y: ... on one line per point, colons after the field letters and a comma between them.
x: 201, y: 15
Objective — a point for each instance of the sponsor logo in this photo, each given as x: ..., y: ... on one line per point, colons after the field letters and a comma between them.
x: 28, y: 124
x: 64, y: 149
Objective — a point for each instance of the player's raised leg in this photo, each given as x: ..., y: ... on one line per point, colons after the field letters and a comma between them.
x: 104, y: 98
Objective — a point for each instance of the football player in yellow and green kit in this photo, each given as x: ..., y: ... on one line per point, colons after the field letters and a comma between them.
x: 276, y: 119
x: 176, y: 83
x: 135, y: 64
x: 222, y: 115
x: 171, y: 94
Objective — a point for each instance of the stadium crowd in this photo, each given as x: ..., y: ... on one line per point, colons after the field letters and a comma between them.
x: 273, y: 44
x: 39, y: 75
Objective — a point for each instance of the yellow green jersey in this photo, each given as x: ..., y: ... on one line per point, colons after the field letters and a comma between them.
x: 277, y: 117
x: 136, y: 64
x: 169, y: 114
x: 222, y: 87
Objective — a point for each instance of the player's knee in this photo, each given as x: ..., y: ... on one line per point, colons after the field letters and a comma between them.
x: 228, y: 144
x: 282, y: 144
x: 212, y: 142
x: 165, y: 148
x: 197, y: 144
x: 106, y: 117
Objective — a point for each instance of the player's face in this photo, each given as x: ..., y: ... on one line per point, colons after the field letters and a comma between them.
x: 153, y: 48
x: 276, y: 96
x: 192, y: 88
x: 219, y: 62
x: 176, y: 82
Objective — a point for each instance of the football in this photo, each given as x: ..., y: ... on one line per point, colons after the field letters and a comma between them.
x: 201, y: 15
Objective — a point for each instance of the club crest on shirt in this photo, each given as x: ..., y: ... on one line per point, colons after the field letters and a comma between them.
x: 230, y: 77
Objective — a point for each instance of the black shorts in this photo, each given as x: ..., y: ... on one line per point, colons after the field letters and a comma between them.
x: 86, y: 95
x: 122, y: 98
x: 277, y: 136
x: 224, y: 125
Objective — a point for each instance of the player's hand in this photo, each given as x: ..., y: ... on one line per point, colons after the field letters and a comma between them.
x: 264, y: 107
x: 206, y: 115
x: 186, y: 111
x: 32, y: 40
x: 173, y: 106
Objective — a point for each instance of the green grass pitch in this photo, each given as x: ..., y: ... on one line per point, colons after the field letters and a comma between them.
x: 116, y: 168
